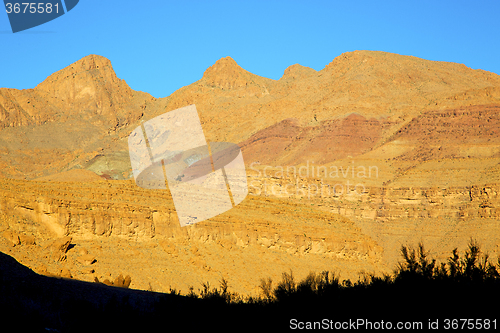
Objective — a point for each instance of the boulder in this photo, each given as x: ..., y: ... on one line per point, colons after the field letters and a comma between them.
x: 123, y: 282
x: 26, y: 239
x: 86, y: 259
x: 107, y: 282
x: 61, y: 244
x: 82, y: 251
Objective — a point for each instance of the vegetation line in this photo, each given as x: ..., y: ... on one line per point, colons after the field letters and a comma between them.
x: 417, y: 271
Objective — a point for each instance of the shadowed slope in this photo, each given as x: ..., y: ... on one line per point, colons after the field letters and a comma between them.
x: 38, y: 302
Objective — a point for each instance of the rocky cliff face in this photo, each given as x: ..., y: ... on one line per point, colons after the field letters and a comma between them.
x: 346, y: 231
x: 128, y: 230
x: 442, y: 217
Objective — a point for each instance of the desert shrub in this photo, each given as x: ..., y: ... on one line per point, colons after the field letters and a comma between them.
x: 174, y: 291
x: 191, y: 293
x: 266, y: 287
x: 220, y: 295
x: 464, y: 285
x: 417, y: 275
x: 416, y: 264
x: 473, y: 268
x: 286, y: 288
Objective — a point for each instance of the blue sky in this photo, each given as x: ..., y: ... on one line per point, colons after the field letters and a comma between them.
x: 158, y: 46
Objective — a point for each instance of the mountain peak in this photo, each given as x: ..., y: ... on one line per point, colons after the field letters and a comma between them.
x: 226, y: 60
x: 91, y: 65
x: 227, y: 74
x: 93, y: 61
x: 348, y: 59
x: 89, y: 83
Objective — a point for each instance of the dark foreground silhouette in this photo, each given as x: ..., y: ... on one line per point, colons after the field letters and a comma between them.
x: 420, y: 289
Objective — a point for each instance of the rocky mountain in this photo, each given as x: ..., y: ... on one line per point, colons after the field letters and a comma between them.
x: 356, y: 103
x: 68, y: 119
x: 371, y: 84
x: 344, y: 165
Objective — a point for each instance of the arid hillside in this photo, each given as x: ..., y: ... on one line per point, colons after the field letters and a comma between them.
x: 80, y: 117
x: 102, y: 229
x: 71, y: 118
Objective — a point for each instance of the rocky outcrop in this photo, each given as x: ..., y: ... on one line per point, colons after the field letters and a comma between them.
x: 444, y: 217
x: 116, y: 209
x: 385, y: 204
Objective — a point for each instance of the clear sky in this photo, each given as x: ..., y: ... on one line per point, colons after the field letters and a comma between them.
x: 158, y: 46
